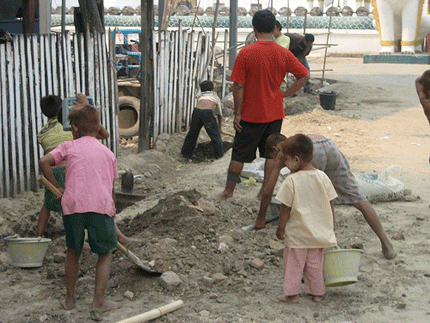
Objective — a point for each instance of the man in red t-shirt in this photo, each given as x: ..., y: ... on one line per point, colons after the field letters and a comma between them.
x: 258, y: 101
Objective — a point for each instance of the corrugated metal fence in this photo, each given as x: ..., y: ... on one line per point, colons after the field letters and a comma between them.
x: 32, y: 66
x: 182, y: 61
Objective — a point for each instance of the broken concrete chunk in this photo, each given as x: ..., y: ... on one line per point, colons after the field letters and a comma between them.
x: 400, y: 305
x: 129, y: 295
x: 256, y: 263
x: 225, y: 238
x: 208, y: 281
x: 169, y: 280
x: 96, y: 315
x: 219, y: 277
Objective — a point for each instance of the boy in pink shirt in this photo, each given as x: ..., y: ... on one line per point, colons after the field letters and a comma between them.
x: 87, y: 202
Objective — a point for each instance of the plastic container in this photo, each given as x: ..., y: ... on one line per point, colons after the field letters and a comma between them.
x: 328, y: 100
x: 27, y: 252
x: 341, y: 266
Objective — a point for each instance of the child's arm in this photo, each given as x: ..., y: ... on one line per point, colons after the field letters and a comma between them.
x: 82, y: 100
x: 284, y: 215
x: 45, y: 166
x: 103, y: 133
x: 270, y: 179
x: 332, y: 211
x: 219, y: 122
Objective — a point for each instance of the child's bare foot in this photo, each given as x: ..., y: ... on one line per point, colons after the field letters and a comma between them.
x: 69, y: 303
x: 107, y: 306
x: 317, y: 299
x: 288, y: 299
x: 126, y: 240
x: 224, y: 195
x: 389, y: 252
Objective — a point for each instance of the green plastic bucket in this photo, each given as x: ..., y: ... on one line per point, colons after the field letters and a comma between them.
x: 341, y: 266
x: 27, y: 252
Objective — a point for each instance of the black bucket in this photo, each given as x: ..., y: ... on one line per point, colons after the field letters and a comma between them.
x: 328, y: 100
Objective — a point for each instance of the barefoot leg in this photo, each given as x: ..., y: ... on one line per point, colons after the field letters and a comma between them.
x: 102, y: 275
x: 42, y: 220
x: 123, y: 239
x: 233, y: 178
x: 372, y: 219
x: 72, y: 266
x: 318, y: 298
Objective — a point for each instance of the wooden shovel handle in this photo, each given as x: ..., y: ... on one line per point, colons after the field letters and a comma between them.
x: 121, y: 248
x: 50, y: 186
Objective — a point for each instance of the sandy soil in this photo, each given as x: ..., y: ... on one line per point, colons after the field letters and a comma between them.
x: 377, y: 123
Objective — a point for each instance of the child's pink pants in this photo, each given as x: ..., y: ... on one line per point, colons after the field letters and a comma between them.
x: 306, y: 263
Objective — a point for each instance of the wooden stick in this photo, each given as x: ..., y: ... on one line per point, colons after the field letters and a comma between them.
x: 42, y: 180
x: 156, y: 313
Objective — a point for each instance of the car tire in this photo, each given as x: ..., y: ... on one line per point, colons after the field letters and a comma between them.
x: 128, y: 116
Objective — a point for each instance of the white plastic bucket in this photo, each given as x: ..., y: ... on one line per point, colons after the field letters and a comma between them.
x: 27, y: 252
x: 341, y: 266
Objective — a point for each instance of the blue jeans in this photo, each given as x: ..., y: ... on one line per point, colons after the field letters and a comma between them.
x: 202, y: 118
x: 308, y: 84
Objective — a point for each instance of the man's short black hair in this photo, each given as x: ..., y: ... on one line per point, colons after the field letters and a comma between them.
x: 278, y: 24
x: 50, y: 105
x: 264, y: 21
x: 206, y: 86
x: 310, y: 38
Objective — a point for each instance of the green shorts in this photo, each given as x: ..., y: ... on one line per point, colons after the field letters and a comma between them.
x: 101, y: 232
x: 50, y: 201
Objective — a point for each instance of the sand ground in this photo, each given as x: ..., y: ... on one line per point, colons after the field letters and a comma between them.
x: 377, y: 123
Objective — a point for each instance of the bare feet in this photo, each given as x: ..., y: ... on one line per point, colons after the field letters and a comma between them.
x: 317, y: 299
x: 288, y: 299
x: 126, y: 240
x: 389, y: 253
x: 69, y: 303
x: 107, y: 306
x: 224, y: 195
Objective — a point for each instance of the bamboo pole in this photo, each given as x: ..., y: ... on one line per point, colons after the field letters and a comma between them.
x: 180, y: 88
x: 325, y: 52
x: 175, y: 82
x: 18, y: 120
x: 214, y: 24
x: 49, y: 83
x: 156, y: 87
x: 33, y: 111
x: 3, y: 132
x: 224, y: 67
x: 188, y: 66
x: 54, y: 53
x: 11, y: 126
x: 26, y: 122
x: 155, y: 313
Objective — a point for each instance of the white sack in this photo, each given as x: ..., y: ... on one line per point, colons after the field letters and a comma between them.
x: 381, y: 187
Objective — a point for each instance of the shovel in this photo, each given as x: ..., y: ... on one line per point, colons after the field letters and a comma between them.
x: 130, y: 256
x: 251, y: 227
x: 135, y: 260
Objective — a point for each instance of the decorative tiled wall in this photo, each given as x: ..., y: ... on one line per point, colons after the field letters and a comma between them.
x: 363, y: 22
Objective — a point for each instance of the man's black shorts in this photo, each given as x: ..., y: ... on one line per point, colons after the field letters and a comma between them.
x: 253, y: 136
